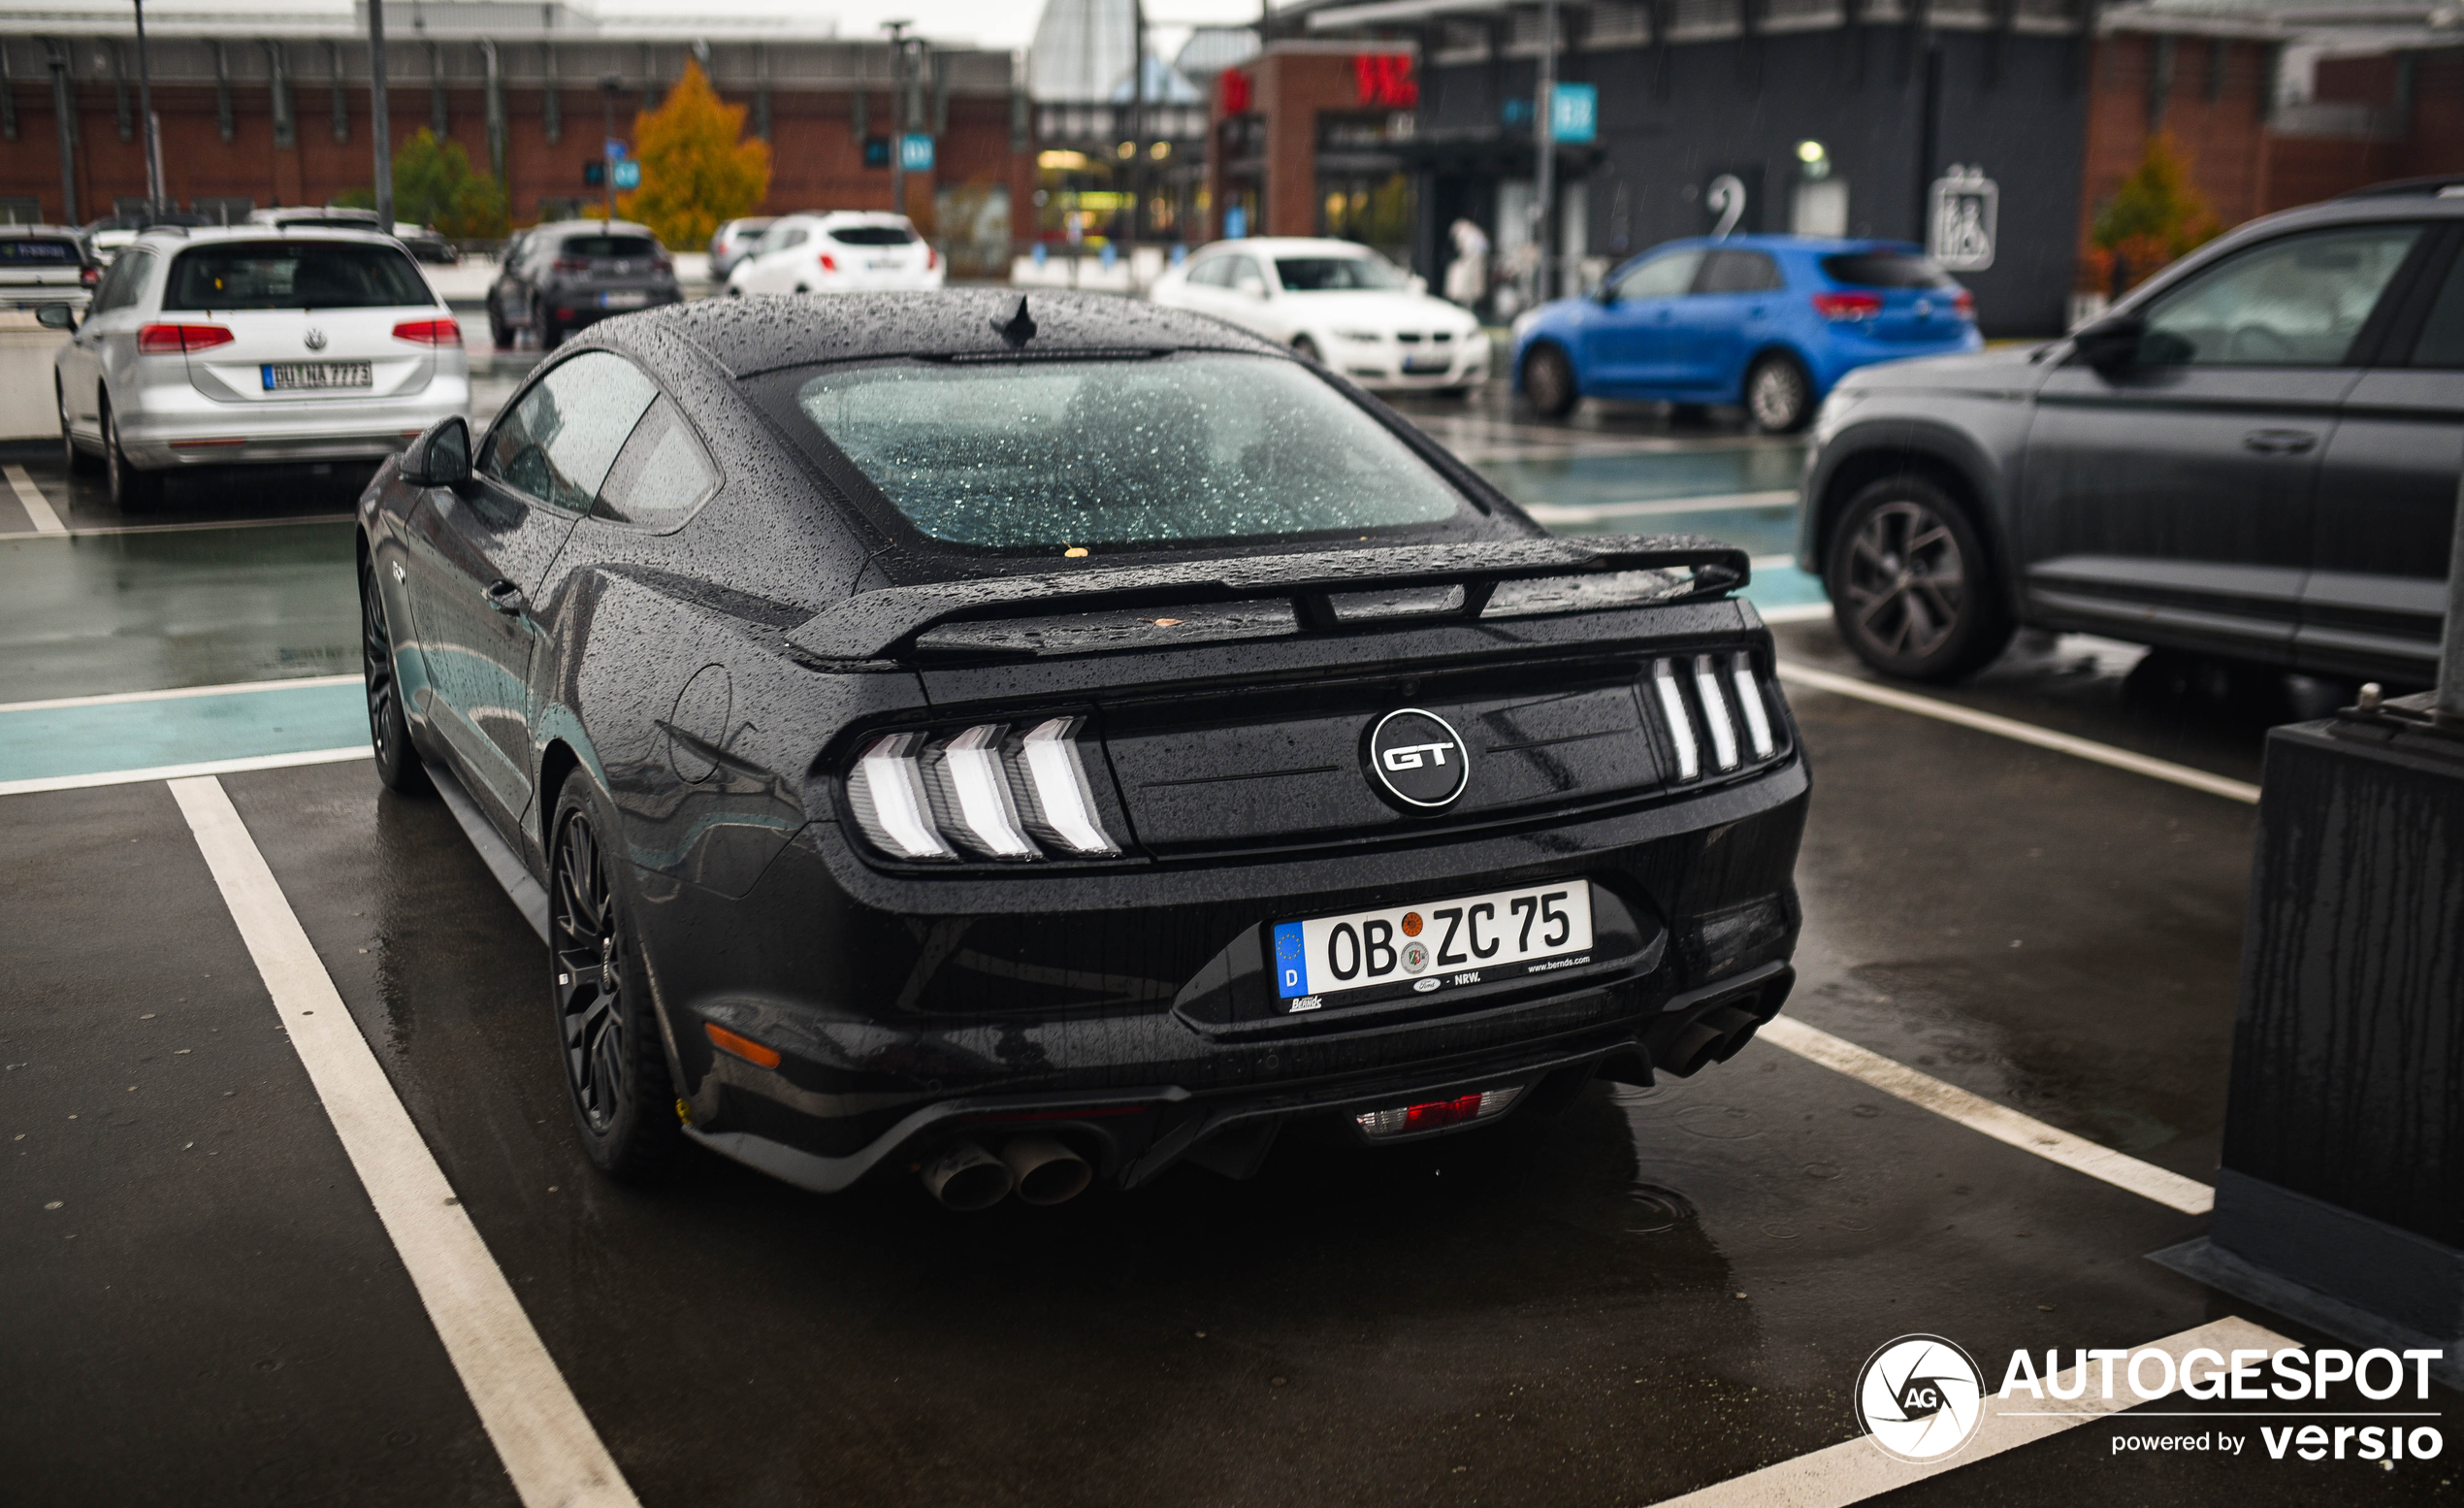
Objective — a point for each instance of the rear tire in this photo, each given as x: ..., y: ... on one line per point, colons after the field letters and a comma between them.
x: 616, y: 1076
x: 1779, y: 395
x: 1910, y: 587
x: 1308, y: 348
x: 500, y: 334
x: 132, y: 491
x: 1548, y: 380
x: 398, y: 764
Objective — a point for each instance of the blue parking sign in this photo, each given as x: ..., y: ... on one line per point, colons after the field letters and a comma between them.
x: 914, y: 153
x: 1573, y: 113
x: 628, y: 173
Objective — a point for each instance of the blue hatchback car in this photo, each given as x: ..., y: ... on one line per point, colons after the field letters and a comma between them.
x: 1767, y: 322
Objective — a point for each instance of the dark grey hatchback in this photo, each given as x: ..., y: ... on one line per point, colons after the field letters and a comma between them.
x: 2253, y: 456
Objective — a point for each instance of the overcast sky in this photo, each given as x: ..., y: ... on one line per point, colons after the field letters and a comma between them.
x: 992, y: 24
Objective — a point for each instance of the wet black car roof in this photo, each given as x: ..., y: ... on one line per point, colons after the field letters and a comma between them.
x: 766, y: 333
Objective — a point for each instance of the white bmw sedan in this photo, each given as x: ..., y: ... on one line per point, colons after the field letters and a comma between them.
x: 1339, y: 302
x: 843, y: 251
x: 216, y: 346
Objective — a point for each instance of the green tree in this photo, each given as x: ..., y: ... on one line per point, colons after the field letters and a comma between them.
x: 435, y: 185
x: 697, y: 169
x: 2153, y: 218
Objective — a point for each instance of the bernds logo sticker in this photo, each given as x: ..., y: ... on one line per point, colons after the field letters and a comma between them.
x: 1417, y: 758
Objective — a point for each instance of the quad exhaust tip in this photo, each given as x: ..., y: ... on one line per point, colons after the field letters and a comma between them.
x: 1041, y: 1170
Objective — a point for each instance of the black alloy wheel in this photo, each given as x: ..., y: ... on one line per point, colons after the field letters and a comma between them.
x: 1548, y: 380
x: 542, y: 328
x: 1909, y: 584
x: 132, y: 491
x: 615, y: 1066
x: 398, y: 764
x: 1779, y: 395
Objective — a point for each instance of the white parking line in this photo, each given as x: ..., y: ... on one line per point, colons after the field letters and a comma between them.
x: 186, y: 528
x: 38, y: 507
x: 554, y: 1456
x: 2023, y: 733
x: 208, y: 767
x: 2000, y: 1122
x: 1854, y: 1470
x: 1576, y: 512
x: 181, y: 693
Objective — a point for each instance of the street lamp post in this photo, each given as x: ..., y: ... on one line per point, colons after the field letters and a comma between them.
x: 608, y: 84
x: 1545, y: 130
x: 380, y: 121
x: 897, y: 115
x: 145, y: 119
x: 1137, y: 125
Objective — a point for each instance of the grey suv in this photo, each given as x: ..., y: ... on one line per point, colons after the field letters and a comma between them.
x: 2253, y: 456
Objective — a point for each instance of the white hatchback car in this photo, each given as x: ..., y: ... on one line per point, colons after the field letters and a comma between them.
x: 843, y: 251
x: 1339, y: 302
x: 216, y: 346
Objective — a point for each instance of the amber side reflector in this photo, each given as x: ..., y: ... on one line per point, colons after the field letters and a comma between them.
x: 744, y: 1047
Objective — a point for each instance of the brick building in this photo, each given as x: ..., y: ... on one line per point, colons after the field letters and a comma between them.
x: 255, y: 113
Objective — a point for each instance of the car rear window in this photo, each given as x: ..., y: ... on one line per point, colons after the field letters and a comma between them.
x: 871, y: 235
x: 1886, y: 270
x: 1338, y: 274
x: 295, y: 275
x: 30, y: 251
x: 1047, y: 454
x: 610, y: 245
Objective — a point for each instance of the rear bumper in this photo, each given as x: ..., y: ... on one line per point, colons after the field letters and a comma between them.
x: 873, y: 1073
x: 172, y: 426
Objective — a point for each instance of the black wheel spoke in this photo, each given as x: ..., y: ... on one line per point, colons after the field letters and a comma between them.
x: 586, y: 970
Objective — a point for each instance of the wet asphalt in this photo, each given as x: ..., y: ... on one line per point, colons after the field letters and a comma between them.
x: 1651, y: 1293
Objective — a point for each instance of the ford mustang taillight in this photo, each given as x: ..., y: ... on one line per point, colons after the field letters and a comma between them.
x: 429, y: 332
x: 171, y: 340
x: 985, y: 792
x: 1848, y: 306
x: 1714, y: 710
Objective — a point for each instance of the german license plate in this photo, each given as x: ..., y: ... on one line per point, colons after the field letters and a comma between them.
x: 1434, y: 945
x: 886, y: 264
x: 283, y: 377
x: 1427, y: 363
x: 624, y: 297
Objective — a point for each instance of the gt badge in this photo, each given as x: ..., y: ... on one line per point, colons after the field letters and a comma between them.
x: 1417, y: 759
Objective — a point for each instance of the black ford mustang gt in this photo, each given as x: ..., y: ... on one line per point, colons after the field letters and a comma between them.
x: 1033, y: 742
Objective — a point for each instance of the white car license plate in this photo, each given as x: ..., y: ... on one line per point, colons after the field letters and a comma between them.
x: 886, y: 264
x: 624, y: 297
x: 285, y: 375
x: 1472, y: 940
x: 1422, y: 364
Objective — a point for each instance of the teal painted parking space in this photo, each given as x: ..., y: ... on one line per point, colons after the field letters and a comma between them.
x: 48, y: 742
x: 1647, y: 475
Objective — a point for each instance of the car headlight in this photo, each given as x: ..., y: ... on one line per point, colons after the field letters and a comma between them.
x: 1835, y: 406
x: 1361, y: 337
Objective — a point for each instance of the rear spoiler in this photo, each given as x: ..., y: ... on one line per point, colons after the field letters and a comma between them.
x: 878, y: 624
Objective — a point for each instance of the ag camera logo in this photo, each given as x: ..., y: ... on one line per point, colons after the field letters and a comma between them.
x: 1921, y: 1398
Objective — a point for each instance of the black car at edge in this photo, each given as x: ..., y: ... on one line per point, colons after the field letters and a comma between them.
x: 1038, y: 741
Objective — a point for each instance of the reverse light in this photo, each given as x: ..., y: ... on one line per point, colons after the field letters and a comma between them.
x: 1664, y: 681
x: 887, y: 793
x: 1715, y: 713
x: 1847, y: 306
x: 429, y: 332
x: 171, y: 340
x: 1437, y: 1114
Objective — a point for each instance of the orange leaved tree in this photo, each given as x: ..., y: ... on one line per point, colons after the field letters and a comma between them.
x: 697, y: 169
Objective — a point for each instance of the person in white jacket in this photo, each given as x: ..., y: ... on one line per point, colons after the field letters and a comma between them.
x: 1466, y: 276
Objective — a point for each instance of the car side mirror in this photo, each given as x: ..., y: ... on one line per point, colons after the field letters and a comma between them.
x: 1606, y: 294
x: 55, y: 316
x: 2110, y: 345
x: 440, y: 457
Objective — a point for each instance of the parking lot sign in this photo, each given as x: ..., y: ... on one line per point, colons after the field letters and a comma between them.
x: 1966, y: 204
x: 628, y: 173
x: 914, y: 153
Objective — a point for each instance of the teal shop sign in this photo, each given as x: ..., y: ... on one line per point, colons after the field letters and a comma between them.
x: 1573, y: 113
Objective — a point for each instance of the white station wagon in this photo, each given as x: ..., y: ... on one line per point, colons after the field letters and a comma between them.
x: 216, y: 346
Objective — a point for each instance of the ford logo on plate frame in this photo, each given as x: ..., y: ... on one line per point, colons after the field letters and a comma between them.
x: 1417, y: 758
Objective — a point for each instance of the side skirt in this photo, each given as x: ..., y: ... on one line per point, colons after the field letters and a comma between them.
x: 529, y: 895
